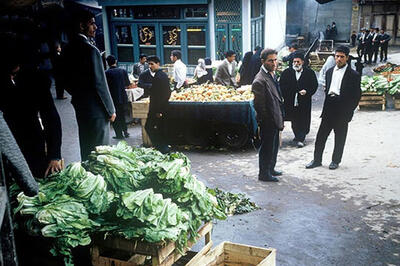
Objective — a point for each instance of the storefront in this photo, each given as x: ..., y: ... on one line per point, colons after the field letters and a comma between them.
x: 199, y: 28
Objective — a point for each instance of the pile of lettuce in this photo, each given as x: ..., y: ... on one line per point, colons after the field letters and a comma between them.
x: 136, y: 193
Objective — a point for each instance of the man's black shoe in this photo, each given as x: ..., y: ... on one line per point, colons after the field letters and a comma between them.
x: 313, y: 164
x: 118, y: 137
x: 276, y: 173
x: 333, y: 166
x: 268, y: 178
x: 126, y: 134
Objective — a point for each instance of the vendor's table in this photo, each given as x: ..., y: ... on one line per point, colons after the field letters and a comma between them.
x: 199, y: 123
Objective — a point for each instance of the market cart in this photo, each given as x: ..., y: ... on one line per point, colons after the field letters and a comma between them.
x: 229, y: 124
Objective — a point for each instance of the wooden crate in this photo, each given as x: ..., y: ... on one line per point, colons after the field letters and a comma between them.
x: 140, y: 109
x: 396, y: 100
x: 115, y: 251
x: 372, y: 100
x: 232, y: 254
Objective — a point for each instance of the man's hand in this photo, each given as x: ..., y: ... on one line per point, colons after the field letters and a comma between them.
x: 303, y: 92
x: 112, y: 118
x: 54, y: 166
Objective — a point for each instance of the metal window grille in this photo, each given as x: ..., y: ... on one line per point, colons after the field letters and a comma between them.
x: 228, y: 11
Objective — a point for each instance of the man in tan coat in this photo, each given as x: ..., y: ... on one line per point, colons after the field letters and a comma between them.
x: 226, y: 71
x: 268, y: 103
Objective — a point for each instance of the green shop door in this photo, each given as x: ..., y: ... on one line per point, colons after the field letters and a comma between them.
x: 228, y: 37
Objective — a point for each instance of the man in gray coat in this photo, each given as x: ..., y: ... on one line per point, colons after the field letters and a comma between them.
x: 87, y: 84
x: 268, y: 103
x: 226, y: 71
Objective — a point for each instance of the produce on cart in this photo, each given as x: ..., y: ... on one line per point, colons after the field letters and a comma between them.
x: 376, y: 84
x: 213, y: 93
x: 136, y: 193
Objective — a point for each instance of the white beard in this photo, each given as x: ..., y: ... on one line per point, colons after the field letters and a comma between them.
x: 297, y: 68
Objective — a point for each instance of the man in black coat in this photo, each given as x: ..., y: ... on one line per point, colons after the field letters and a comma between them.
x: 86, y: 82
x: 375, y: 44
x: 118, y: 80
x: 24, y: 96
x: 361, y: 44
x: 384, y: 39
x: 298, y: 85
x: 268, y: 104
x: 159, y: 96
x: 255, y: 63
x: 369, y: 49
x: 342, y: 96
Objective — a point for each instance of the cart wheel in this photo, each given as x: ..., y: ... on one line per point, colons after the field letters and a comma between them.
x: 233, y: 136
x: 197, y: 135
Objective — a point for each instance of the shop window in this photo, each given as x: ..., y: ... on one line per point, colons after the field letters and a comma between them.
x: 165, y: 12
x: 196, y: 12
x: 171, y: 41
x: 257, y: 8
x: 122, y: 12
x: 147, y: 40
x: 123, y: 34
x: 196, y: 38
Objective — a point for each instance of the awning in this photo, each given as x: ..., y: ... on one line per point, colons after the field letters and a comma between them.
x: 152, y: 3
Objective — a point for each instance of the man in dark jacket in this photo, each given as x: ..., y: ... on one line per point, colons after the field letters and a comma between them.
x: 24, y: 97
x: 369, y: 48
x: 255, y: 63
x: 159, y: 96
x: 298, y: 85
x: 293, y: 49
x: 118, y: 80
x: 342, y: 96
x: 268, y: 104
x: 86, y: 82
x: 384, y: 39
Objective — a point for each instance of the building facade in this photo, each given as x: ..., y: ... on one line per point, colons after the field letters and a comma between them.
x: 199, y: 28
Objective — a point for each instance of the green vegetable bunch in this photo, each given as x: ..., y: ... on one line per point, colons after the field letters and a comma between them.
x: 233, y: 203
x: 394, y: 85
x: 376, y: 84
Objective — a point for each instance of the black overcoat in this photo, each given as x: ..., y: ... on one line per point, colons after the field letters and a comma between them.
x: 290, y: 87
x: 350, y: 94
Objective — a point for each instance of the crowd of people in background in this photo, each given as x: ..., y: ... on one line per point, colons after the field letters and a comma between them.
x: 370, y: 42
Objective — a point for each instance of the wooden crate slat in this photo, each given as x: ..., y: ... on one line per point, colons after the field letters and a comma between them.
x: 370, y: 102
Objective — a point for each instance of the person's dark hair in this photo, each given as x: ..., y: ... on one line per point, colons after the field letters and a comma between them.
x: 229, y: 53
x: 377, y: 28
x: 153, y: 58
x: 207, y: 60
x: 176, y: 53
x: 81, y: 16
x: 294, y: 46
x: 257, y: 48
x: 298, y: 55
x: 142, y: 55
x: 333, y: 23
x: 266, y: 52
x: 343, y: 49
x: 111, y: 60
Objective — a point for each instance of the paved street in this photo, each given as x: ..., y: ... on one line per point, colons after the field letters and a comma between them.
x: 350, y: 216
